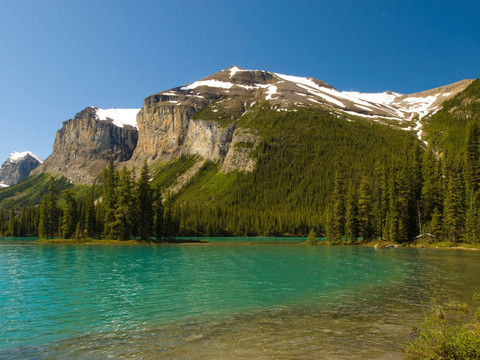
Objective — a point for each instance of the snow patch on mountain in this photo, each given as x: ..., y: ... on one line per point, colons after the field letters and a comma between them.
x: 119, y: 117
x: 17, y: 156
x: 210, y: 83
x: 272, y: 90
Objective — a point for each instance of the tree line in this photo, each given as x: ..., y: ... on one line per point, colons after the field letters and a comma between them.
x: 422, y: 195
x: 127, y: 208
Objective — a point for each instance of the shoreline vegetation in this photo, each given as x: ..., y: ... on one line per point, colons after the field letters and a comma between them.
x: 377, y: 245
x: 120, y: 242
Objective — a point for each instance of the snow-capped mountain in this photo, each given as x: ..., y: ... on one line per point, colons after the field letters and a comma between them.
x: 201, y: 118
x: 285, y: 91
x: 18, y: 167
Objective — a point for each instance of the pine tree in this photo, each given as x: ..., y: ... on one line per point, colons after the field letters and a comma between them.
x: 337, y: 221
x: 159, y: 213
x: 472, y: 221
x: 168, y: 219
x: 312, y: 238
x: 109, y: 177
x: 49, y: 212
x: 431, y: 196
x: 145, y: 204
x: 2, y: 223
x: 69, y: 218
x: 365, y: 210
x: 472, y: 158
x: 11, y: 222
x: 122, y: 226
x: 454, y: 202
x: 351, y: 213
x: 380, y: 195
x: 89, y: 210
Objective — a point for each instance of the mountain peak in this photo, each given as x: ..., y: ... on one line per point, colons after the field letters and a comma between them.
x: 18, y: 167
x: 18, y: 156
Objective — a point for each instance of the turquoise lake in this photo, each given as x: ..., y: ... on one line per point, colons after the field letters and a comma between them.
x: 221, y: 301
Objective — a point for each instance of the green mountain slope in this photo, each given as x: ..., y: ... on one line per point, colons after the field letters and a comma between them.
x: 445, y: 131
x: 287, y: 193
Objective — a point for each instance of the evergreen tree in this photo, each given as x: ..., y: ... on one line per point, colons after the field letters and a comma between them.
x: 431, y: 197
x: 2, y: 223
x: 122, y: 226
x: 312, y: 238
x: 472, y: 158
x: 454, y: 201
x: 49, y: 212
x: 109, y: 177
x: 145, y: 204
x: 380, y: 181
x: 89, y: 210
x: 159, y: 214
x: 365, y: 210
x: 472, y: 221
x: 168, y: 219
x: 397, y: 215
x: 337, y: 222
x: 69, y: 218
x: 11, y: 222
x: 351, y: 213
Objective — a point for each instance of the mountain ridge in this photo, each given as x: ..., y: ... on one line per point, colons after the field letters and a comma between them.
x: 205, y: 118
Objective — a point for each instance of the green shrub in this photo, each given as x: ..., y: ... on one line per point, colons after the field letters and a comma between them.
x: 435, y: 339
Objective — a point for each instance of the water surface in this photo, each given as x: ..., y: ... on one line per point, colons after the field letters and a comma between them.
x: 225, y: 301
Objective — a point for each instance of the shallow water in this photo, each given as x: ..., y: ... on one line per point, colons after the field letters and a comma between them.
x: 203, y: 302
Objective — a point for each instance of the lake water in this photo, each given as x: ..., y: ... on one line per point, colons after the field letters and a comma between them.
x: 221, y: 301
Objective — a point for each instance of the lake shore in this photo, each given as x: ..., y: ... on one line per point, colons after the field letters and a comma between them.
x: 181, y: 241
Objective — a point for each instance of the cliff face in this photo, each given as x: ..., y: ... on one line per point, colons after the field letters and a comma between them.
x: 83, y: 146
x: 18, y: 167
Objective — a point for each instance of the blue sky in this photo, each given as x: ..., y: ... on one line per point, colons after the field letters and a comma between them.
x: 59, y: 56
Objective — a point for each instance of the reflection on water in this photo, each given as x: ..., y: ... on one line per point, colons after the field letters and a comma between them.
x: 203, y: 302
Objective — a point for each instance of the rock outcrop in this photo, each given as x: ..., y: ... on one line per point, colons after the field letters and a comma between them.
x: 83, y: 146
x: 18, y: 167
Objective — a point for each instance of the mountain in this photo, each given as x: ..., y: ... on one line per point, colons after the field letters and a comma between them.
x: 18, y: 167
x: 204, y: 118
x: 247, y: 152
x: 84, y: 144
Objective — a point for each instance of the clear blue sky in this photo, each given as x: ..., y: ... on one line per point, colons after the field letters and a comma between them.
x: 59, y: 56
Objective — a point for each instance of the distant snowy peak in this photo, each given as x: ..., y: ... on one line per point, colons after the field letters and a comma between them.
x: 119, y: 117
x: 18, y: 156
x: 18, y: 167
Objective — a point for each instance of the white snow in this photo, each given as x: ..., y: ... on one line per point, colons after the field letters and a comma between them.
x: 210, y: 83
x: 2, y: 185
x: 363, y: 107
x: 169, y: 93
x: 234, y: 70
x: 253, y: 87
x: 299, y: 80
x: 421, y: 106
x: 384, y: 98
x: 16, y: 156
x: 323, y: 96
x: 272, y: 89
x: 120, y: 117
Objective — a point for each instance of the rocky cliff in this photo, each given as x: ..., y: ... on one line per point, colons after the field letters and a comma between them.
x: 18, y: 167
x: 84, y: 144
